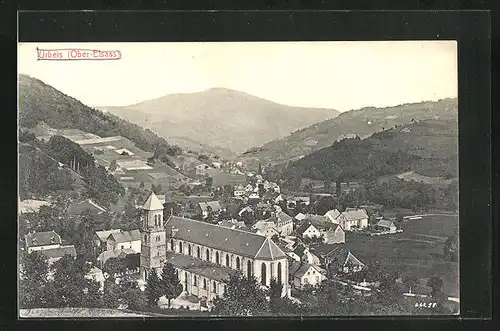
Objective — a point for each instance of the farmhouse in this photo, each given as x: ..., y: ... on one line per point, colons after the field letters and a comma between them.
x: 308, y: 230
x: 283, y: 223
x: 353, y: 218
x: 209, y: 207
x: 305, y: 273
x: 124, y: 239
x: 386, y: 225
x: 334, y: 235
x: 38, y: 241
x: 101, y: 237
x: 337, y: 258
x: 332, y: 215
x: 55, y: 254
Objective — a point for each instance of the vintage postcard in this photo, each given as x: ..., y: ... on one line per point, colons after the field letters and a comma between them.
x: 238, y: 179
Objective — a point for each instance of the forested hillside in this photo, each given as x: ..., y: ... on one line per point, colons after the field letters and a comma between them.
x: 361, y: 122
x: 426, y: 147
x: 39, y: 102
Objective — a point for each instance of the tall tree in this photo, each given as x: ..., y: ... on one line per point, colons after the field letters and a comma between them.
x: 243, y: 297
x: 170, y: 284
x: 209, y: 182
x: 33, y: 280
x: 260, y: 169
x: 153, y: 289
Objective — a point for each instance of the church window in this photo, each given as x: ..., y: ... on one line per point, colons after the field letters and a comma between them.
x: 217, y: 258
x: 172, y: 245
x: 180, y: 248
x: 199, y: 253
x: 207, y: 255
x: 279, y: 272
x: 263, y: 274
x: 238, y: 262
x: 204, y: 284
x: 227, y: 260
x: 145, y: 237
x: 189, y: 249
x: 214, y: 288
x: 249, y: 269
x: 195, y: 281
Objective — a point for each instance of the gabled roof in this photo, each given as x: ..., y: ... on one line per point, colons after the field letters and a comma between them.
x: 103, y: 235
x: 119, y: 253
x: 385, y: 223
x: 214, y: 205
x: 300, y: 216
x: 299, y: 269
x: 332, y: 214
x: 125, y: 236
x: 303, y: 227
x: 152, y: 203
x: 270, y: 251
x: 338, y: 254
x: 215, y: 236
x: 354, y: 215
x: 299, y: 250
x: 42, y: 239
x: 263, y: 225
x: 58, y: 252
x: 318, y: 221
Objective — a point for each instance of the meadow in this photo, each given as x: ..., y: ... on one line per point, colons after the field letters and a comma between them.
x: 418, y: 251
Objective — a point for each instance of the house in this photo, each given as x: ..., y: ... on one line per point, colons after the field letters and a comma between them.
x: 38, y: 241
x: 265, y: 228
x: 254, y: 196
x: 334, y: 235
x: 305, y: 200
x: 101, y: 238
x: 249, y: 188
x: 353, y: 218
x: 124, y: 239
x: 337, y: 258
x: 300, y: 217
x: 332, y: 215
x: 308, y: 230
x: 239, y: 193
x: 386, y: 226
x: 305, y: 255
x: 306, y: 274
x: 283, y: 223
x: 55, y: 254
x: 209, y: 207
x: 87, y: 205
x: 217, y: 165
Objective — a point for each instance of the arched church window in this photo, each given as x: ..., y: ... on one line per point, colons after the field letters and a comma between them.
x: 172, y: 245
x: 227, y: 260
x: 263, y: 273
x: 198, y: 253
x: 180, y: 247
x: 238, y: 262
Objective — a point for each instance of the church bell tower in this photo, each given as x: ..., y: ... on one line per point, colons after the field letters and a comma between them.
x: 153, y: 237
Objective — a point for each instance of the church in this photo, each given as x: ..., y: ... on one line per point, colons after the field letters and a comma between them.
x: 205, y: 255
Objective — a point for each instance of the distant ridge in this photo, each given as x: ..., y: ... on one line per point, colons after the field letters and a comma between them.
x: 360, y: 122
x: 221, y: 118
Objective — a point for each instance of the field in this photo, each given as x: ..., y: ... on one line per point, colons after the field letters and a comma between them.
x: 418, y: 251
x: 222, y: 178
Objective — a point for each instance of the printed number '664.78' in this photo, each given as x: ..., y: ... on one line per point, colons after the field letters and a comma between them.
x: 425, y: 305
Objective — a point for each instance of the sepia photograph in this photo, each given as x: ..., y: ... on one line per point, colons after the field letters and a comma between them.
x: 226, y: 179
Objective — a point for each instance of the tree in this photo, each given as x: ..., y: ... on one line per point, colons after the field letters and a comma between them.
x: 70, y: 286
x: 141, y: 185
x: 33, y: 280
x: 114, y: 266
x: 153, y: 289
x: 84, y: 237
x: 260, y: 169
x: 450, y: 248
x: 156, y: 188
x: 436, y: 284
x: 112, y: 165
x: 172, y: 208
x: 209, y: 182
x: 170, y: 284
x: 135, y: 299
x: 112, y: 294
x: 243, y: 297
x: 275, y: 238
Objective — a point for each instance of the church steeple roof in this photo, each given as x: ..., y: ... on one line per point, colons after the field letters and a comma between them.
x: 152, y: 203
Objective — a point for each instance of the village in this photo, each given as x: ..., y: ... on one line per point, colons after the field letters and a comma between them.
x: 252, y: 227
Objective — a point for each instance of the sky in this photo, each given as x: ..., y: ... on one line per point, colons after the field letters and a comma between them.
x: 338, y: 75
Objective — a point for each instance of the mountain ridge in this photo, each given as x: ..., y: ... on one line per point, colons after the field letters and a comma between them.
x: 220, y: 117
x: 361, y: 122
